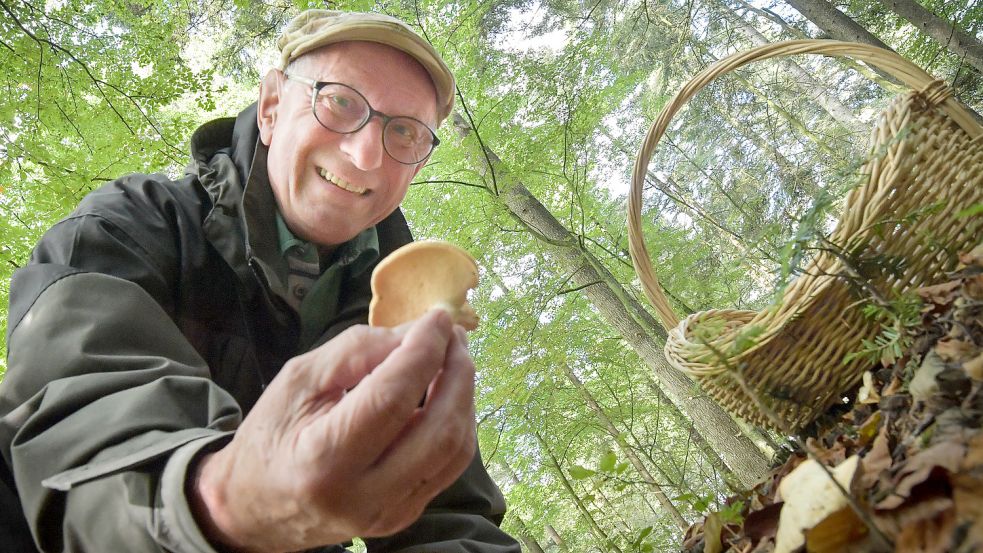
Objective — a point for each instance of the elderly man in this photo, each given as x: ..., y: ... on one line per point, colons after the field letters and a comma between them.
x: 159, y: 312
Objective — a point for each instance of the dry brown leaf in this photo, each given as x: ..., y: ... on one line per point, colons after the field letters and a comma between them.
x: 973, y: 287
x: 939, y: 293
x: 974, y: 367
x: 762, y: 524
x: 929, y: 535
x: 931, y: 466
x: 837, y: 533
x: 894, y: 387
x: 972, y: 257
x: 693, y: 535
x: 953, y: 349
x: 877, y: 460
x: 829, y: 456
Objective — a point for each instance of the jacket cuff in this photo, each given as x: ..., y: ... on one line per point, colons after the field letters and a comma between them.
x: 178, y: 530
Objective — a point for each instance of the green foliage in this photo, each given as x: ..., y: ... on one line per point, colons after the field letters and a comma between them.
x: 970, y: 211
x: 897, y: 318
x: 742, y: 193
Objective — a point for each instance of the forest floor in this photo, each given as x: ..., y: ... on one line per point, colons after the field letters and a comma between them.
x: 907, y: 453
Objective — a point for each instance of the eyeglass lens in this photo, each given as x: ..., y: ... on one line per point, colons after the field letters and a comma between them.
x: 342, y: 109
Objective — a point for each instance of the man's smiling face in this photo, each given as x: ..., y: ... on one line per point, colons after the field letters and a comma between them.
x: 331, y: 186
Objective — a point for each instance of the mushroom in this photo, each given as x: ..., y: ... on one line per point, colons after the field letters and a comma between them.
x: 420, y: 276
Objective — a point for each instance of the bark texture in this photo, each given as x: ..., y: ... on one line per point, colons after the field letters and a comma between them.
x: 944, y: 32
x: 833, y: 22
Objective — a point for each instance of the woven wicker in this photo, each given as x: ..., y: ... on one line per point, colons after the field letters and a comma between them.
x: 926, y: 150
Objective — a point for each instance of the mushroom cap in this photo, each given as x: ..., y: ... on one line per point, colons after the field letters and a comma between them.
x: 420, y: 276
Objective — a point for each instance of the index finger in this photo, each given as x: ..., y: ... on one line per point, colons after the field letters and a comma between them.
x: 370, y: 417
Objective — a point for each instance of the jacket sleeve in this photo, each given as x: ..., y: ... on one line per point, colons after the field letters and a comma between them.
x: 104, y: 403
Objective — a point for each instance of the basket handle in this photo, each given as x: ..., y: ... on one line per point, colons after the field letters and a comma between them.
x: 936, y: 92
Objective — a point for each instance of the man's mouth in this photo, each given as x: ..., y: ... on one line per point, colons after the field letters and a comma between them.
x: 342, y: 183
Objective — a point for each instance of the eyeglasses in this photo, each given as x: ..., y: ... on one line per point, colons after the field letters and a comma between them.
x: 342, y: 109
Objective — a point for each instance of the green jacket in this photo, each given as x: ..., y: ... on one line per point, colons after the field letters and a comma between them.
x: 145, y: 325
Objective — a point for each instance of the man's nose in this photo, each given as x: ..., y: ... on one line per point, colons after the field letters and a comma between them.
x: 364, y: 147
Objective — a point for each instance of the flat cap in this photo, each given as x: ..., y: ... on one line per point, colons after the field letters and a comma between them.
x: 313, y: 29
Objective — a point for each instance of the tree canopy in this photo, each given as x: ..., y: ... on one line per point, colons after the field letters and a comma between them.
x: 580, y: 422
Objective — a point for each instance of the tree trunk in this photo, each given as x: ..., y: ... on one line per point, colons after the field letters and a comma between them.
x: 619, y: 309
x: 809, y: 86
x: 596, y: 529
x: 711, y: 456
x: 835, y: 23
x: 856, y: 32
x: 626, y: 449
x: 944, y: 32
x: 556, y: 538
x: 618, y: 436
x: 526, y: 535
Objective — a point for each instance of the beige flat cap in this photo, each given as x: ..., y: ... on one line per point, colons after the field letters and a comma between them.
x: 313, y: 29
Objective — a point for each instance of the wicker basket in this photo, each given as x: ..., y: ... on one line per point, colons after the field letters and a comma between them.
x: 926, y: 150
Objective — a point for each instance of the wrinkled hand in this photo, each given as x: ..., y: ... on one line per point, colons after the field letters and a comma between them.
x: 313, y: 464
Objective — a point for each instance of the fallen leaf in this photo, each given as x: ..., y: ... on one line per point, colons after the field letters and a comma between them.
x: 868, y: 430
x: 931, y: 466
x: 693, y: 535
x: 973, y: 287
x: 923, y: 384
x: 974, y: 367
x: 972, y: 257
x: 931, y: 535
x: 939, y: 293
x: 894, y: 387
x: 953, y: 349
x: 762, y: 524
x: 877, y: 460
x: 810, y: 496
x: 836, y: 533
x: 711, y: 534
x: 868, y: 392
x: 830, y: 456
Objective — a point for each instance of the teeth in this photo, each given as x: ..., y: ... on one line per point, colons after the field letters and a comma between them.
x: 342, y: 183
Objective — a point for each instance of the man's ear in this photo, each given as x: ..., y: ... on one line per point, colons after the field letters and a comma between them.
x: 270, y: 90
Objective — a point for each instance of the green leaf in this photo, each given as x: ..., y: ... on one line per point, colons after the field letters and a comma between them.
x: 608, y: 462
x: 731, y: 514
x: 578, y: 472
x: 970, y: 211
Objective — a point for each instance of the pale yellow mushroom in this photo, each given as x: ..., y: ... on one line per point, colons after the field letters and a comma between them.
x: 420, y: 276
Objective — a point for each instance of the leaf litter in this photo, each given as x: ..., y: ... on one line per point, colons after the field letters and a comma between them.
x: 908, y: 450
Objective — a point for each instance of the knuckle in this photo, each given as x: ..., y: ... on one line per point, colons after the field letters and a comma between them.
x: 452, y: 437
x: 388, y: 399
